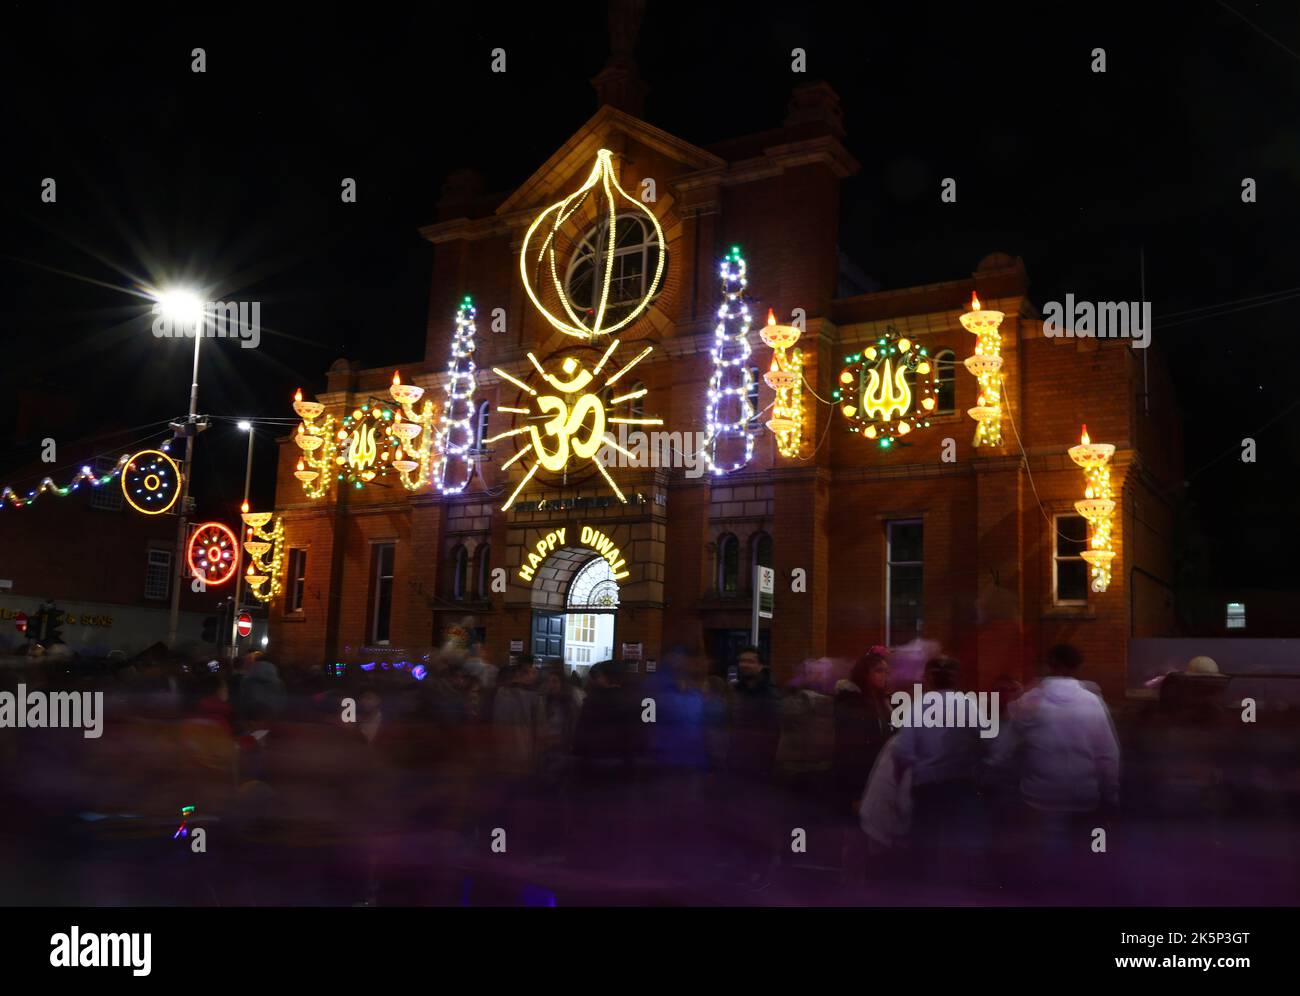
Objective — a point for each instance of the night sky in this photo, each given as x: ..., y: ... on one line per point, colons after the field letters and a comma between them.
x: 230, y: 179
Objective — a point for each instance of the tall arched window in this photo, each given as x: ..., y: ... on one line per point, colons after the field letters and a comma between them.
x: 945, y: 366
x: 636, y: 258
x: 728, y: 565
x: 755, y: 378
x: 483, y: 574
x: 482, y: 414
x: 459, y: 574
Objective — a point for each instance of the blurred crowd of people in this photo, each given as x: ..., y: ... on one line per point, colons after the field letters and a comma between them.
x: 680, y: 772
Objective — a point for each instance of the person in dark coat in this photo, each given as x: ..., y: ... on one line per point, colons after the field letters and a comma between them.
x: 861, y: 729
x: 754, y: 732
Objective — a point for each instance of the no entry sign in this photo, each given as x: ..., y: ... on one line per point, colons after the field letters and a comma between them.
x: 20, y: 622
x: 245, y: 624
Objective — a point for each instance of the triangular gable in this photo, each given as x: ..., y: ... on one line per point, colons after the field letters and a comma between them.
x: 574, y: 157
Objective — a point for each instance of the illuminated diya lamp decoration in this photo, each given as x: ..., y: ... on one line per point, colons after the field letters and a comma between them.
x: 258, y: 544
x: 411, y: 435
x: 318, y: 442
x: 785, y: 378
x: 541, y: 272
x: 729, y: 410
x: 888, y: 390
x: 1097, y: 506
x: 565, y: 427
x: 986, y: 366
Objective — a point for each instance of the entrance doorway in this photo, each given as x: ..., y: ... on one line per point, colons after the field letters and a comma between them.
x: 592, y: 603
x: 725, y: 646
x: 548, y: 634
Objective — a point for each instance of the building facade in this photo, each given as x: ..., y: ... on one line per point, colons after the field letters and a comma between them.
x: 976, y: 548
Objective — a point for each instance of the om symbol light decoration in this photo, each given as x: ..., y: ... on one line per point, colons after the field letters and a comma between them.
x: 151, y: 482
x: 785, y: 377
x: 568, y: 426
x: 986, y: 366
x: 213, y: 553
x: 1097, y: 506
x: 257, y: 545
x: 539, y: 251
x: 887, y: 390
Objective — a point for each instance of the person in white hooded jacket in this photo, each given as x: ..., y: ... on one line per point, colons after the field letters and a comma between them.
x: 1063, y: 740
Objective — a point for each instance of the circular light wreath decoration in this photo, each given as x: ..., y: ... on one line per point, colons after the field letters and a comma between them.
x: 366, y: 444
x: 539, y: 252
x: 151, y: 482
x: 213, y: 553
x: 887, y: 407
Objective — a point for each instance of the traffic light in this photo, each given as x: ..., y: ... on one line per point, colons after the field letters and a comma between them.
x: 210, y: 629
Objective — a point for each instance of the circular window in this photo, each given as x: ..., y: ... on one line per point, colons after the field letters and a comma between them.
x: 631, y: 268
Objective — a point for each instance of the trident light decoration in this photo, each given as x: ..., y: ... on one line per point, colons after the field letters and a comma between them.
x: 151, y: 482
x: 785, y: 377
x: 258, y: 542
x: 369, y: 443
x: 566, y: 426
x: 1096, y: 506
x: 888, y: 390
x: 540, y: 246
x: 730, y: 410
x: 213, y: 553
x: 455, y: 437
x: 986, y: 366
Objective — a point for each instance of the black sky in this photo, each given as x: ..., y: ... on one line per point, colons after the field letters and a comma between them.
x: 231, y: 177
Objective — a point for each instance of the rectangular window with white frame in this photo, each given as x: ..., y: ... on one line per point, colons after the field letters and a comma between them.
x: 904, y: 543
x: 383, y: 557
x: 297, y: 580
x: 158, y: 575
x: 1069, y: 569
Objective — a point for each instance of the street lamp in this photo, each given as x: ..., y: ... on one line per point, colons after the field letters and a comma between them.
x: 247, y: 427
x: 184, y: 309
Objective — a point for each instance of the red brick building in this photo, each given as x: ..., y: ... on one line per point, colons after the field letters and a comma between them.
x: 892, y: 543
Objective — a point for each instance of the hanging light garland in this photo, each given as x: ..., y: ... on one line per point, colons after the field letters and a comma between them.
x: 258, y: 543
x: 8, y: 496
x: 985, y: 365
x: 732, y: 382
x: 455, y: 440
x: 900, y: 390
x: 785, y: 378
x: 1097, y: 505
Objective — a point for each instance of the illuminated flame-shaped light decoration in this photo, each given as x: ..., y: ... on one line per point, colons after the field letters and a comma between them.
x: 455, y: 440
x: 317, y: 438
x: 571, y: 421
x: 785, y: 378
x: 1097, y: 506
x: 258, y: 542
x: 986, y: 367
x: 899, y: 393
x: 729, y: 411
x: 537, y: 257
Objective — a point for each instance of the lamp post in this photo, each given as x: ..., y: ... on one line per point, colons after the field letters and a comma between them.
x: 183, y: 309
x: 239, y: 574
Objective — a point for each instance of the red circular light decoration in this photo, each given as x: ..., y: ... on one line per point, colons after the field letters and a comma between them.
x: 213, y: 553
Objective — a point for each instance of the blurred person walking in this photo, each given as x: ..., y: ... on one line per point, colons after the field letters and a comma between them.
x: 861, y: 728
x: 1064, y: 743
